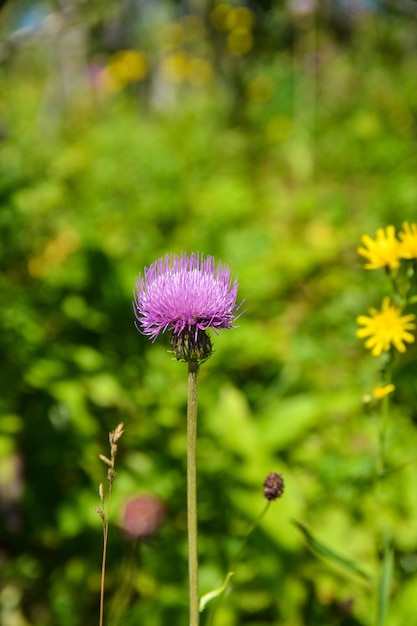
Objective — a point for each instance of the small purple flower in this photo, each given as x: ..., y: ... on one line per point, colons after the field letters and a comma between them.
x: 186, y: 295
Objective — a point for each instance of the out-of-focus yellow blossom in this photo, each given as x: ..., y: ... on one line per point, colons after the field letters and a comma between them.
x: 130, y: 65
x: 382, y: 391
x: 239, y: 22
x: 408, y: 241
x: 383, y: 251
x: 55, y: 253
x: 181, y: 67
x: 241, y: 17
x: 219, y: 16
x: 386, y: 328
x: 240, y: 41
x: 176, y: 68
x: 125, y: 66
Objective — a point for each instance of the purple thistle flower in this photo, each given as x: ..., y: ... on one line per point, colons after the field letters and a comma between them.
x: 187, y: 295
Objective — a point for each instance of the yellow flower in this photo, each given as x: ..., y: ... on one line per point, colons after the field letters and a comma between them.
x: 408, y: 245
x: 382, y: 391
x: 383, y: 251
x: 386, y: 328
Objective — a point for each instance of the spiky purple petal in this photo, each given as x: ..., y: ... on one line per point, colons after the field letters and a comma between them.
x: 185, y: 293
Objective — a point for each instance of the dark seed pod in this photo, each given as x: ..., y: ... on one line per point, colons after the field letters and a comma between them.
x: 273, y: 486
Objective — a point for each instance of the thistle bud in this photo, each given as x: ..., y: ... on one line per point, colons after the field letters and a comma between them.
x: 192, y: 345
x: 273, y: 486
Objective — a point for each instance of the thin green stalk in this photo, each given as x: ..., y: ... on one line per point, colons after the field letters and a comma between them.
x: 192, y: 491
x: 386, y: 566
x: 105, y: 519
x: 246, y: 537
x: 219, y: 590
x: 383, y: 421
x: 385, y: 580
x: 114, y: 437
x: 383, y: 417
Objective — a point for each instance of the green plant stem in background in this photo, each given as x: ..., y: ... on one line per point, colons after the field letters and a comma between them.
x: 219, y: 590
x: 383, y: 420
x: 192, y: 492
x: 246, y: 537
x: 384, y: 586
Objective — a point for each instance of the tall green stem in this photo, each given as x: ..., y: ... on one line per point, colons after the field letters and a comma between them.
x: 192, y: 491
x: 385, y: 578
x: 383, y: 420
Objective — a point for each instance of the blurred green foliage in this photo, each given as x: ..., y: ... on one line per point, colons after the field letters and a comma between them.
x: 274, y: 156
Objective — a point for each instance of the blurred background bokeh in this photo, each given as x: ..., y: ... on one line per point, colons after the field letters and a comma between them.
x: 270, y: 134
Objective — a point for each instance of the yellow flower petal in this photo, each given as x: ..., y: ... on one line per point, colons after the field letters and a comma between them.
x: 386, y: 328
x: 382, y: 391
x: 383, y: 251
x: 408, y: 241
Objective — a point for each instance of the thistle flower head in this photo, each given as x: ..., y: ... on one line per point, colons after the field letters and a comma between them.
x: 186, y: 295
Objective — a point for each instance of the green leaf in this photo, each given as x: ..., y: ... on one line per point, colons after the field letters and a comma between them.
x: 204, y: 600
x: 319, y: 548
x: 385, y: 583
